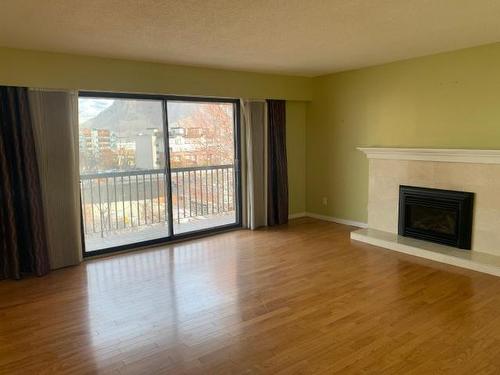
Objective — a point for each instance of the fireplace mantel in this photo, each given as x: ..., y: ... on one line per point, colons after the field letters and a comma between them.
x: 451, y: 155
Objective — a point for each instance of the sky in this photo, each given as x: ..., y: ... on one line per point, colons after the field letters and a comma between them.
x: 90, y: 107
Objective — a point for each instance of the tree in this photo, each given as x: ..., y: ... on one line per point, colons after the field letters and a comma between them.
x: 208, y: 136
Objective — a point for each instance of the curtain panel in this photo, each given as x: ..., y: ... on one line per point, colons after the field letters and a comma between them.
x: 254, y: 163
x: 55, y: 125
x: 23, y: 242
x: 277, y: 170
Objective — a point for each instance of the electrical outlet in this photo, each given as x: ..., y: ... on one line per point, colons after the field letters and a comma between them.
x: 325, y: 201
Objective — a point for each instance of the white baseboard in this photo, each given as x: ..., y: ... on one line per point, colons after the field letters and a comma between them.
x: 296, y: 215
x: 353, y: 223
x: 328, y: 218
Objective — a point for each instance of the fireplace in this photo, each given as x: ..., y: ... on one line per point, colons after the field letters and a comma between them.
x: 442, y: 216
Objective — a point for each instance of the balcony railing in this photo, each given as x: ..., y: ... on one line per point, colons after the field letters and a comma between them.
x: 120, y: 200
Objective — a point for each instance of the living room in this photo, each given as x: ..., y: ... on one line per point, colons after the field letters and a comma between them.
x: 263, y: 187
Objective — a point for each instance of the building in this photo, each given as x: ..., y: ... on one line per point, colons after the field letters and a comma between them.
x: 149, y: 150
x: 97, y: 149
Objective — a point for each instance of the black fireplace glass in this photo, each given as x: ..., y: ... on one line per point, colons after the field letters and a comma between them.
x: 436, y: 215
x: 436, y: 220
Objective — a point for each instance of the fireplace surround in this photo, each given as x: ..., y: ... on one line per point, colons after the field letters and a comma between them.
x: 455, y: 170
x: 436, y: 215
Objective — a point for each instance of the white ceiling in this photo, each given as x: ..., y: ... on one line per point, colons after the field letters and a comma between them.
x: 302, y: 37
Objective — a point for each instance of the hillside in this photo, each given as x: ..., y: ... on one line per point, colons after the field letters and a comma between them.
x: 127, y: 118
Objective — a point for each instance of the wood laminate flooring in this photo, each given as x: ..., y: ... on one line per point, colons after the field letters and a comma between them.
x: 301, y: 298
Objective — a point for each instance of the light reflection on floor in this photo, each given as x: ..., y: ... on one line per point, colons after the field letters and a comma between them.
x: 181, y: 291
x: 98, y: 241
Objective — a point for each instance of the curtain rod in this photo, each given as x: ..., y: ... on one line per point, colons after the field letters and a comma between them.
x: 51, y: 90
x: 118, y: 92
x: 254, y: 100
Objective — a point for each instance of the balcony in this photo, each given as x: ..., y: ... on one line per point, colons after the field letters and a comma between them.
x: 121, y: 208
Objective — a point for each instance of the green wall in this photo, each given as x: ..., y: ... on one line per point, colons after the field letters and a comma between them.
x: 64, y: 71
x: 446, y: 100
x: 296, y: 155
x: 54, y: 70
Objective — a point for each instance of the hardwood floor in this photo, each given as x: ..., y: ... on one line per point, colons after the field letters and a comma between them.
x: 299, y: 299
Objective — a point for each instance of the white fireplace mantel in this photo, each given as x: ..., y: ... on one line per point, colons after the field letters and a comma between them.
x: 450, y: 155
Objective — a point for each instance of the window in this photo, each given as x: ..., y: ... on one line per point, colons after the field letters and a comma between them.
x: 140, y: 187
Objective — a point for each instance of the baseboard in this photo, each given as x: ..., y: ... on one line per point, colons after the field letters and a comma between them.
x: 296, y: 215
x: 328, y: 218
x: 353, y: 223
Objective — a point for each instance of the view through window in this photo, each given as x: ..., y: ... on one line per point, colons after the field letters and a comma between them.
x: 128, y: 196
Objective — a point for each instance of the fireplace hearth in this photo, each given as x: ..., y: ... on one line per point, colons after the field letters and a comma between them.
x: 441, y: 216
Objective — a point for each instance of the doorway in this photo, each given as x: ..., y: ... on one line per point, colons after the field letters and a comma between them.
x: 156, y: 168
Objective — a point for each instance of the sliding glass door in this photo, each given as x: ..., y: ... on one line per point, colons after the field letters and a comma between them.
x: 155, y: 168
x: 202, y: 161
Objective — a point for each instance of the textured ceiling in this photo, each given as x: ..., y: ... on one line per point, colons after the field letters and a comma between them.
x: 303, y: 37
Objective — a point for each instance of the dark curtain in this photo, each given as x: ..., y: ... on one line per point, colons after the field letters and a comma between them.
x: 23, y: 244
x: 277, y: 175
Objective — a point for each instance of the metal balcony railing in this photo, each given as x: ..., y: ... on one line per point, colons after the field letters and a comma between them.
x: 120, y: 200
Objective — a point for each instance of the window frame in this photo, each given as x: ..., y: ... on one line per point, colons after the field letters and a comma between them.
x: 237, y: 172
